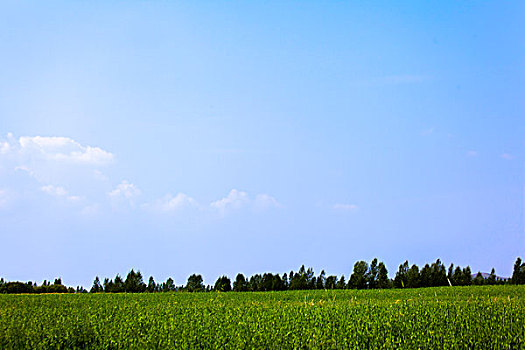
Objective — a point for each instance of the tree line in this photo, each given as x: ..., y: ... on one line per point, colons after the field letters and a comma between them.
x: 363, y: 276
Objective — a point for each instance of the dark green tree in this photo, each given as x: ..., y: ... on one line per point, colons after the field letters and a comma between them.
x: 478, y: 280
x: 152, y: 286
x: 518, y: 273
x: 321, y: 280
x: 341, y: 283
x: 195, y: 283
x: 134, y: 282
x: 492, y: 277
x: 372, y: 274
x: 400, y: 280
x: 223, y: 284
x: 457, y: 277
x: 425, y: 276
x: 382, y: 276
x: 331, y: 282
x: 97, y: 288
x: 412, y: 277
x: 439, y: 274
x: 240, y: 284
x: 466, y: 276
x: 359, y: 277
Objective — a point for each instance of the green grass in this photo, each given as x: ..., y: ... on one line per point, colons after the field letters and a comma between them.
x: 489, y: 317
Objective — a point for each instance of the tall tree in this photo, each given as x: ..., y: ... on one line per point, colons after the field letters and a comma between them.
x: 412, y: 277
x: 359, y: 277
x: 195, y: 283
x: 223, y: 284
x: 97, y: 288
x: 152, y: 286
x: 438, y: 273
x: 341, y: 284
x: 478, y: 280
x: 372, y: 274
x: 425, y: 276
x: 466, y: 276
x: 321, y: 280
x: 400, y: 280
x: 134, y: 282
x: 382, y: 277
x: 331, y: 282
x: 240, y: 284
x: 518, y: 273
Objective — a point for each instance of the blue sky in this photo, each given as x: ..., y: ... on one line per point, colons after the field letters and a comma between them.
x: 224, y: 137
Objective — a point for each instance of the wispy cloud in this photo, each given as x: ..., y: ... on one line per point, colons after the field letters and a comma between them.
x: 59, y: 191
x: 472, y: 153
x: 234, y: 200
x: 345, y: 207
x: 265, y: 201
x: 507, y: 156
x: 55, y: 148
x: 170, y: 204
x: 124, y: 192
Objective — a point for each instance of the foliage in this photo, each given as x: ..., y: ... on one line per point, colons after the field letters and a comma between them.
x: 474, y: 317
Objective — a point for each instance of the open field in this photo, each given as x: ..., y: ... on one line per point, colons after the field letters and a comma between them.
x: 488, y: 317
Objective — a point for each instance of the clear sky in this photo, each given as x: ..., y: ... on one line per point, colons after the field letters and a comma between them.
x: 222, y: 137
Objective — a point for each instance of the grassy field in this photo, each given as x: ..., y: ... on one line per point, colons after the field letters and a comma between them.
x: 491, y: 317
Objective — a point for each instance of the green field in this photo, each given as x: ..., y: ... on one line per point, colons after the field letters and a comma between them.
x: 487, y: 317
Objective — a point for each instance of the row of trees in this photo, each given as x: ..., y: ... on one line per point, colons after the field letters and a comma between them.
x: 363, y: 276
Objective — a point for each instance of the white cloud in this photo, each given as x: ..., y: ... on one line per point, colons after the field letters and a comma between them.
x: 172, y: 204
x: 54, y: 148
x: 264, y: 201
x: 472, y: 153
x: 58, y: 191
x: 126, y: 190
x: 345, y: 207
x: 234, y: 200
x: 507, y: 156
x: 63, y: 149
x: 54, y: 190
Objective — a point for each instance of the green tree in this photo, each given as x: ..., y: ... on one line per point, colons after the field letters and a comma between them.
x: 240, y: 285
x: 341, y: 283
x: 478, y: 280
x: 152, y: 286
x: 195, y: 283
x: 466, y: 276
x: 382, y: 276
x: 457, y: 277
x: 425, y: 276
x: 331, y: 282
x: 400, y: 280
x: 438, y: 274
x: 97, y: 288
x: 518, y: 273
x: 372, y: 274
x: 223, y: 284
x: 492, y: 277
x: 134, y: 282
x: 359, y: 277
x: 321, y: 280
x: 412, y: 277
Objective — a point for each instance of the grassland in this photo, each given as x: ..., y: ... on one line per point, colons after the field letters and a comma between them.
x: 488, y: 317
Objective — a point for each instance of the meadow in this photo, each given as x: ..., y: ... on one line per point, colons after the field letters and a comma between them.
x: 474, y: 317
